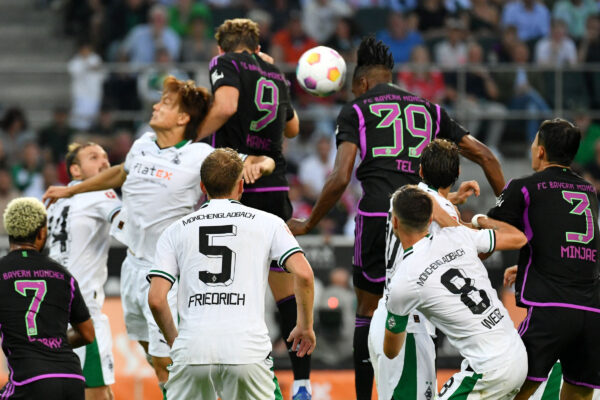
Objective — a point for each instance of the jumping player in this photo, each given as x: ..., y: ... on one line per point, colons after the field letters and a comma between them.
x: 222, y: 346
x: 160, y: 182
x: 38, y: 299
x: 78, y: 230
x: 557, y: 273
x: 251, y: 114
x: 441, y: 276
x: 389, y: 128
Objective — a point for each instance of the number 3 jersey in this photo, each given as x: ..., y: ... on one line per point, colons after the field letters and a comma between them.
x: 558, y: 212
x: 38, y: 298
x: 442, y: 277
x: 221, y: 254
x: 391, y: 128
x: 78, y: 238
x: 263, y: 109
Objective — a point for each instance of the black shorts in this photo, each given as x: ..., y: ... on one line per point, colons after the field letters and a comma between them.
x: 276, y: 202
x: 46, y: 389
x: 369, y: 254
x: 565, y: 334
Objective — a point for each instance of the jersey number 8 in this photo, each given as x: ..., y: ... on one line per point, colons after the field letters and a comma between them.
x: 477, y: 300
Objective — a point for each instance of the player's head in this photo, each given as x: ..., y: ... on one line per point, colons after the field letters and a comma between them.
x: 25, y: 222
x: 440, y: 164
x: 221, y: 174
x: 238, y: 34
x: 374, y: 65
x: 556, y: 142
x: 182, y: 106
x: 85, y: 160
x: 412, y: 210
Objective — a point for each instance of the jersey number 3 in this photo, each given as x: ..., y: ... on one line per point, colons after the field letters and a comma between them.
x: 227, y: 256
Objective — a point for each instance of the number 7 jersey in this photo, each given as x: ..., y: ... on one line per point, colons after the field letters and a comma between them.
x: 391, y: 128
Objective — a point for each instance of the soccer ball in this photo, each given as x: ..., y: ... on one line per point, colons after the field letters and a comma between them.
x: 321, y: 71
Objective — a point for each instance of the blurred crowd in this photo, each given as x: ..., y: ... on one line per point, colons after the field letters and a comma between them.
x: 430, y: 39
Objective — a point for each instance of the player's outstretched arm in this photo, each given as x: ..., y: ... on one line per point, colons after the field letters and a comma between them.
x: 157, y: 300
x: 303, y: 335
x: 257, y: 166
x: 292, y: 127
x: 225, y: 103
x: 510, y: 275
x: 507, y: 236
x: 334, y: 187
x: 110, y: 178
x: 478, y: 152
x: 465, y: 190
x: 81, y: 334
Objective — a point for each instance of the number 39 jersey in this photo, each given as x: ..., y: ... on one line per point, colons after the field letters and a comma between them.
x: 38, y: 298
x: 221, y: 254
x: 558, y: 212
x: 78, y: 238
x: 263, y: 109
x: 391, y: 128
x: 442, y: 277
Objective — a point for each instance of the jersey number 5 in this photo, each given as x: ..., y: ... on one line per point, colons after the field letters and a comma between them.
x: 207, y: 234
x: 39, y: 292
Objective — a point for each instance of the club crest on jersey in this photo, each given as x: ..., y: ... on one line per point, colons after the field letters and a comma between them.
x: 176, y: 160
x: 391, y: 322
x: 216, y: 75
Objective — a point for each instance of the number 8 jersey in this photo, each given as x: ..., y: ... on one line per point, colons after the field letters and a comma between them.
x: 391, y: 128
x: 442, y: 277
x: 263, y: 109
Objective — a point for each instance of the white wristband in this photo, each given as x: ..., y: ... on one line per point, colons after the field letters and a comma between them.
x: 475, y: 218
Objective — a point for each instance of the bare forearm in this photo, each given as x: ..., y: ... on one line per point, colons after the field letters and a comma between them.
x: 164, y: 320
x: 304, y: 292
x: 332, y: 192
x: 490, y: 165
x: 214, y: 120
x: 75, y: 338
x: 111, y: 178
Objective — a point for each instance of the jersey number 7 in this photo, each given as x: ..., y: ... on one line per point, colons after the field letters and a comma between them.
x: 39, y: 292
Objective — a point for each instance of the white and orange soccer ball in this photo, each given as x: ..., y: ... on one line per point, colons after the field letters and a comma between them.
x: 321, y: 71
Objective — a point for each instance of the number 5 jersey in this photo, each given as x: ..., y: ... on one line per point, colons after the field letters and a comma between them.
x: 442, y: 277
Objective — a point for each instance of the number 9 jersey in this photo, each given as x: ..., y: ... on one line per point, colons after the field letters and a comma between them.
x: 391, y: 128
x: 263, y: 109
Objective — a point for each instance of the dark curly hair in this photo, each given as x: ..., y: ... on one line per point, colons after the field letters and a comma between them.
x: 371, y: 54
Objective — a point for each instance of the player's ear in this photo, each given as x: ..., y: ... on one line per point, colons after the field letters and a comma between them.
x: 203, y: 188
x: 221, y: 52
x: 75, y: 170
x: 183, y: 118
x: 420, y: 170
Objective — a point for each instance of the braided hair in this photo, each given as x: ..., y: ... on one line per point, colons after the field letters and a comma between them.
x: 372, y: 53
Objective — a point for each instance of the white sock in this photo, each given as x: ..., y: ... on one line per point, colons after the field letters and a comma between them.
x: 299, y: 383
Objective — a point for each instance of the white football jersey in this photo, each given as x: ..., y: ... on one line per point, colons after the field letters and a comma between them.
x: 161, y: 186
x: 78, y: 238
x: 221, y: 254
x: 442, y: 277
x: 394, y: 254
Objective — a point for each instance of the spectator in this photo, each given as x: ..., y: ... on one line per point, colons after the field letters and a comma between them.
x: 122, y: 142
x: 575, y: 14
x: 265, y: 22
x: 289, y: 43
x: 590, y: 133
x: 402, y: 6
x: 421, y: 79
x: 55, y: 137
x: 480, y: 100
x: 7, y: 193
x: 432, y: 15
x: 104, y: 125
x: 319, y: 17
x: 345, y: 39
x: 589, y: 52
x: 14, y: 133
x: 150, y: 81
x: 455, y: 7
x: 182, y: 15
x: 197, y: 46
x: 502, y: 51
x: 400, y: 37
x: 315, y: 169
x: 530, y: 17
x: 484, y: 18
x: 121, y: 17
x: 557, y: 49
x: 452, y: 52
x: 141, y: 43
x: 301, y: 208
x: 27, y: 174
x: 521, y: 89
x: 87, y: 78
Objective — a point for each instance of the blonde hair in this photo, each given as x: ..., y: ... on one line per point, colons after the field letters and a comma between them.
x: 23, y: 217
x: 238, y: 33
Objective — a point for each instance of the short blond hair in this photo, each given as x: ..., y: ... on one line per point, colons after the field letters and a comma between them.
x: 237, y: 33
x: 23, y: 218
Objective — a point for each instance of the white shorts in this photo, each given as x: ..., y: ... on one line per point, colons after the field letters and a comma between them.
x: 228, y: 382
x: 498, y: 384
x: 411, y: 374
x: 550, y: 389
x: 96, y: 358
x: 139, y: 321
